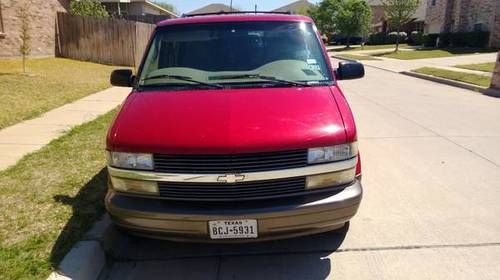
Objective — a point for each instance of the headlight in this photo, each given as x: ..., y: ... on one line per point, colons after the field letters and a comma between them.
x: 134, y: 186
x: 330, y: 179
x: 131, y: 160
x: 332, y: 153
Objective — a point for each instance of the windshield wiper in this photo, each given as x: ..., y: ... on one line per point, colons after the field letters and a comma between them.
x: 181, y: 78
x: 258, y: 76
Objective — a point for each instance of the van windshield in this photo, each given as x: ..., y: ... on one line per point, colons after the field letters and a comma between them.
x: 244, y: 54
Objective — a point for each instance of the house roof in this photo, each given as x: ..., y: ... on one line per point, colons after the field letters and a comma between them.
x: 374, y: 2
x: 212, y: 8
x: 147, y: 2
x: 295, y: 7
x: 152, y: 4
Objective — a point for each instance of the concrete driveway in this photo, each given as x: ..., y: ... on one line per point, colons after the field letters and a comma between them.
x: 431, y: 210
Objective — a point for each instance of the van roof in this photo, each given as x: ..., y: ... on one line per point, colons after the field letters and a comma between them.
x: 234, y: 17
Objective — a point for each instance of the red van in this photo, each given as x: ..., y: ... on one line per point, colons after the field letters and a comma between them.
x: 236, y: 130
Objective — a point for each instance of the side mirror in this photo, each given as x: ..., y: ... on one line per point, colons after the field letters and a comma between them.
x: 350, y: 70
x: 122, y: 78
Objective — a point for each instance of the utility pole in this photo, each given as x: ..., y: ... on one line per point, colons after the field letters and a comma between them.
x: 231, y: 6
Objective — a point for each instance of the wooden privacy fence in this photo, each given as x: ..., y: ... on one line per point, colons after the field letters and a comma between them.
x: 107, y: 41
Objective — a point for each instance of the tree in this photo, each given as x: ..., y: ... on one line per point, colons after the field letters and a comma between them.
x: 353, y: 18
x: 303, y: 11
x: 92, y: 8
x: 25, y: 48
x: 398, y: 13
x: 345, y: 17
x: 324, y: 16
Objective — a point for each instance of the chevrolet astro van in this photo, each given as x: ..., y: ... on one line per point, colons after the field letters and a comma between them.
x: 236, y: 130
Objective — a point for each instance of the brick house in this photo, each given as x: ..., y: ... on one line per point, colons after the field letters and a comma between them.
x: 42, y: 26
x: 464, y: 16
x: 379, y: 23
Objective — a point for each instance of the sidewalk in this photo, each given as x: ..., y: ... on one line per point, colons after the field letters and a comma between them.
x: 28, y: 136
x: 400, y: 65
x: 463, y: 70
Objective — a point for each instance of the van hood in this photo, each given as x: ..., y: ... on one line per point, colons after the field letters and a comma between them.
x: 227, y: 121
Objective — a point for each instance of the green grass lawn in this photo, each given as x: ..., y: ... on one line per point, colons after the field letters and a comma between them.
x: 50, y: 83
x: 356, y: 57
x: 371, y: 47
x: 485, y: 67
x: 432, y: 53
x: 474, y: 79
x: 49, y: 199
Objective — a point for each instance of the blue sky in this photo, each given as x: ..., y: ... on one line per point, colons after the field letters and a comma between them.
x: 184, y: 6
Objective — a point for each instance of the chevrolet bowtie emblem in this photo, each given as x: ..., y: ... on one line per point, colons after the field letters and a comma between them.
x: 231, y: 178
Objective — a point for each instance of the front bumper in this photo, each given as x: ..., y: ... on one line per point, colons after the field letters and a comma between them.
x: 278, y: 219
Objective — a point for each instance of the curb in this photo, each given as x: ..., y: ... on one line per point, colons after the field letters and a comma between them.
x: 445, y: 81
x: 87, y: 258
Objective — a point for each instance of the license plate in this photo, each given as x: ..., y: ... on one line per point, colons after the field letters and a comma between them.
x: 233, y: 229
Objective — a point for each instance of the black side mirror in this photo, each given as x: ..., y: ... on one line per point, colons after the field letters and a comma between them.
x: 350, y: 70
x: 122, y: 78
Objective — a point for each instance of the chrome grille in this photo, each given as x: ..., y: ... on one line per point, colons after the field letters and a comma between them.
x: 236, y: 191
x: 237, y: 163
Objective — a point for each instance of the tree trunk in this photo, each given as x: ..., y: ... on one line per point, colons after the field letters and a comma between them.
x: 348, y: 44
x: 494, y: 89
x: 495, y: 81
x: 24, y: 64
x: 397, y: 37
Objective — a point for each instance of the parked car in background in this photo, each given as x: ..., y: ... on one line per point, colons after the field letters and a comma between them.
x: 236, y: 130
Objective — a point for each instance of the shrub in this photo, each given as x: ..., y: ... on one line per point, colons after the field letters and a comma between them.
x: 475, y: 39
x: 430, y: 40
x: 478, y: 39
x: 377, y: 38
x: 391, y: 37
x: 444, y: 40
x: 416, y: 38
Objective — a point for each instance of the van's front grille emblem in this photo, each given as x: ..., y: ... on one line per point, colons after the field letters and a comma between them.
x: 231, y: 178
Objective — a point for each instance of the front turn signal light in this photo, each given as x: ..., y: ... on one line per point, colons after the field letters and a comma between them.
x: 330, y: 179
x: 134, y: 186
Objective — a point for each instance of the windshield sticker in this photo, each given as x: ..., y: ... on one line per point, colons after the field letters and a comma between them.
x: 314, y: 67
x: 311, y: 61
